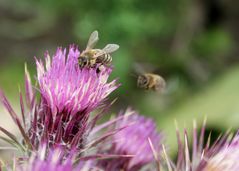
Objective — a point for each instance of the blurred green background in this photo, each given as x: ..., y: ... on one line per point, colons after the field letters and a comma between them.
x: 192, y: 44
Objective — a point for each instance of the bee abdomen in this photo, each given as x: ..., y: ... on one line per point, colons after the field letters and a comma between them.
x: 104, y: 59
x: 108, y: 59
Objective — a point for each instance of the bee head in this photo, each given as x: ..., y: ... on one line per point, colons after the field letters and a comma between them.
x: 82, y: 61
x: 142, y: 81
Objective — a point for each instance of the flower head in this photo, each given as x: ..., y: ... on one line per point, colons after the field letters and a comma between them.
x: 226, y: 159
x: 197, y: 160
x: 68, y: 94
x: 65, y: 87
x: 53, y: 160
x: 134, y: 139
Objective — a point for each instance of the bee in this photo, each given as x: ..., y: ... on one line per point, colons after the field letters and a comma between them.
x: 90, y: 57
x: 150, y: 81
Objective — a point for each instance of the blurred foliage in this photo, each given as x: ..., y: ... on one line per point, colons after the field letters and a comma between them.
x: 190, y: 43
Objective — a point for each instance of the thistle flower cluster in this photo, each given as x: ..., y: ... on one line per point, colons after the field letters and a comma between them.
x: 60, y: 132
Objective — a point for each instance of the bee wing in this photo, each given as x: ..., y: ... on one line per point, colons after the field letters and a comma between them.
x: 144, y: 68
x: 139, y: 69
x: 172, y: 86
x: 94, y: 37
x: 110, y: 48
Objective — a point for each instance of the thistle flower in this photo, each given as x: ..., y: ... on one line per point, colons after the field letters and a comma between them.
x: 226, y: 159
x: 65, y: 88
x: 53, y: 160
x: 137, y: 138
x: 67, y: 96
x: 197, y: 160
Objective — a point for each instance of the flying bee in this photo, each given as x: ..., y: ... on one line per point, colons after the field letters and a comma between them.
x: 150, y: 81
x: 90, y: 57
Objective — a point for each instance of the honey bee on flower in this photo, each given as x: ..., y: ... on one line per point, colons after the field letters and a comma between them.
x: 90, y: 57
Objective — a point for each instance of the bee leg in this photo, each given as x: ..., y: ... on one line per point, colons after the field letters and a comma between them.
x: 99, y: 69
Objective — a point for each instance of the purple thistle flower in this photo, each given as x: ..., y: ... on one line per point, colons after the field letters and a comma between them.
x: 134, y: 139
x: 53, y: 160
x: 226, y: 159
x: 197, y: 160
x: 68, y: 95
x: 65, y: 87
